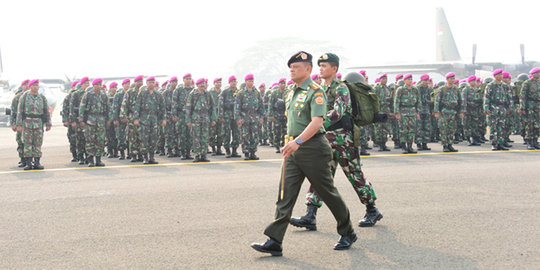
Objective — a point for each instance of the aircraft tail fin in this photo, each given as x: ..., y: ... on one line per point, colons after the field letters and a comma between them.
x: 446, y: 46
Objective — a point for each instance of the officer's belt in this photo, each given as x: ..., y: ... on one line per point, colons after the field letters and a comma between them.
x: 289, y: 138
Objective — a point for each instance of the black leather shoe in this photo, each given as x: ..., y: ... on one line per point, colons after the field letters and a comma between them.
x: 370, y: 218
x: 270, y: 246
x: 345, y: 242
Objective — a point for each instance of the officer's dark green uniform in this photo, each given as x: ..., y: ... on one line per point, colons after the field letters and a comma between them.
x: 311, y: 160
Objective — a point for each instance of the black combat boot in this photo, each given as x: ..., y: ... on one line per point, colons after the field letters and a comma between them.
x: 37, y: 165
x: 509, y: 140
x: 425, y: 147
x: 141, y: 158
x: 213, y: 151
x: 188, y: 155
x: 197, y: 159
x: 170, y: 153
x: 90, y: 160
x: 452, y: 149
x: 530, y: 145
x: 218, y: 151
x: 309, y: 221
x: 227, y: 152
x: 234, y: 153
x: 145, y: 159
x: 151, y: 160
x: 270, y: 246
x: 410, y: 148
x: 252, y: 156
x: 81, y: 159
x: 371, y: 217
x: 162, y: 151
x: 246, y: 156
x: 122, y: 155
x: 277, y: 150
x: 110, y: 153
x: 397, y: 145
x: 384, y: 147
x: 74, y: 157
x: 204, y: 159
x: 115, y: 153
x: 446, y: 149
x: 133, y: 158
x: 506, y: 144
x: 86, y: 159
x: 502, y: 147
x: 22, y: 163
x: 419, y: 147
x: 98, y: 162
x: 494, y: 147
x: 28, y: 163
x: 404, y: 148
x: 366, y: 146
x: 364, y: 152
x: 535, y: 142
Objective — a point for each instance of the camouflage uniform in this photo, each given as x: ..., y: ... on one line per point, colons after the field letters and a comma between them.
x: 268, y: 125
x: 530, y: 103
x: 160, y: 148
x: 71, y: 132
x: 121, y: 128
x: 185, y: 139
x: 472, y: 102
x: 497, y: 104
x: 110, y: 130
x: 32, y: 114
x: 200, y: 112
x: 149, y: 110
x: 248, y: 107
x: 13, y: 121
x: 127, y: 110
x: 171, y: 141
x: 226, y: 111
x: 407, y: 103
x: 94, y: 112
x: 74, y: 104
x: 216, y: 132
x: 447, y: 104
x: 394, y: 121
x: 341, y: 140
x: 383, y: 129
x: 276, y: 109
x: 423, y: 127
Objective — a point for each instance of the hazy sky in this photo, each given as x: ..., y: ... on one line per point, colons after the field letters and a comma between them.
x: 116, y: 38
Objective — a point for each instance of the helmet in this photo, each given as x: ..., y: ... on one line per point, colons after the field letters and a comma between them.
x: 391, y: 85
x: 522, y: 77
x: 462, y: 85
x: 401, y: 83
x: 488, y: 80
x: 355, y: 77
x: 441, y: 83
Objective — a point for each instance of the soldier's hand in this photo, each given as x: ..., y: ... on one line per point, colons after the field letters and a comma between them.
x: 239, y: 122
x: 273, y: 119
x: 124, y: 120
x: 66, y: 124
x: 461, y: 115
x: 189, y: 124
x: 14, y: 128
x: 163, y: 123
x: 261, y: 121
x: 436, y: 114
x: 83, y: 124
x: 222, y: 120
x: 74, y: 125
x: 174, y: 119
x: 116, y: 123
x: 289, y: 148
x: 47, y: 128
x: 522, y: 112
x: 136, y: 122
x: 108, y: 123
x: 398, y: 116
x: 213, y: 123
x: 19, y: 128
x: 418, y: 116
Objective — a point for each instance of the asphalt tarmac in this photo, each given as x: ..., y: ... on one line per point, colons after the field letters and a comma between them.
x: 475, y: 209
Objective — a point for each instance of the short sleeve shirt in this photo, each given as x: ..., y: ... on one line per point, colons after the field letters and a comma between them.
x: 304, y: 102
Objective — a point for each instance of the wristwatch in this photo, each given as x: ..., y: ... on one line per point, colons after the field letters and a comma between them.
x: 299, y: 141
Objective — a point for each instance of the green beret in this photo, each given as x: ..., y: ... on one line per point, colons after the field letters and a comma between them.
x: 328, y: 57
x: 300, y: 56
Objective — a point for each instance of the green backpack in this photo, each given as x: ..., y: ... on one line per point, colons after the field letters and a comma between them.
x: 364, y: 102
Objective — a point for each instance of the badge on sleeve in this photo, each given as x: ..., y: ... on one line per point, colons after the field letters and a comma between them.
x: 319, y: 100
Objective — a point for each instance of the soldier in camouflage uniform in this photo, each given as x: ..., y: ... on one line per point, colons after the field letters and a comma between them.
x: 127, y: 112
x: 71, y: 132
x: 423, y: 131
x: 32, y: 114
x: 216, y: 131
x: 406, y: 109
x: 276, y: 113
x: 200, y: 114
x: 169, y: 131
x: 339, y: 126
x: 120, y: 123
x: 497, y: 105
x: 382, y: 129
x: 94, y: 116
x: 518, y: 84
x: 183, y: 133
x: 149, y: 115
x: 394, y: 121
x: 530, y: 108
x: 110, y: 130
x: 262, y: 127
x: 74, y: 104
x: 472, y: 103
x: 161, y: 130
x: 512, y: 119
x: 248, y: 113
x: 13, y: 121
x: 268, y: 125
x: 226, y: 116
x: 447, y: 105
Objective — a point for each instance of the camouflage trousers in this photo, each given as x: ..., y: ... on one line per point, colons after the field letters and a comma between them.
x: 20, y: 145
x: 270, y: 130
x: 200, y: 131
x: 95, y: 140
x: 184, y: 137
x: 72, y: 138
x: 407, y: 128
x: 423, y: 129
x: 508, y: 124
x: 148, y: 133
x: 216, y: 135
x: 447, y: 126
x: 81, y: 142
x: 363, y: 135
x: 532, y: 124
x: 435, y: 132
x: 171, y: 141
x: 161, y: 137
x: 381, y: 132
x: 230, y: 133
x: 112, y: 142
x: 121, y: 136
x: 265, y: 129
x: 280, y: 129
x: 134, y: 139
x: 395, y: 130
x: 496, y: 122
x: 32, y: 139
x: 470, y: 123
x: 250, y: 136
x: 346, y: 155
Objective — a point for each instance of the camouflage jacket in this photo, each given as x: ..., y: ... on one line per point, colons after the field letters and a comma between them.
x: 425, y: 99
x: 117, y: 103
x: 15, y: 108
x: 215, y: 98
x: 498, y: 97
x: 33, y: 111
x: 127, y: 109
x: 276, y: 103
x: 338, y: 102
x: 529, y: 99
x: 94, y: 108
x: 248, y: 105
x: 200, y: 107
x: 226, y: 103
x: 386, y: 102
x: 471, y: 98
x: 448, y: 100
x: 74, y: 103
x: 167, y: 102
x: 149, y: 108
x: 407, y: 101
x: 65, y: 106
x: 179, y: 99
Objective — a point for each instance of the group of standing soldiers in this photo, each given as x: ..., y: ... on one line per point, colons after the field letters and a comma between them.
x: 137, y: 121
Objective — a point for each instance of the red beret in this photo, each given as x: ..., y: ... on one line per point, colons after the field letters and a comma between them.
x: 173, y: 78
x: 84, y: 79
x: 534, y: 70
x: 113, y: 84
x: 232, y: 78
x: 25, y: 82
x: 399, y: 76
x: 33, y: 81
x: 471, y: 78
x: 506, y: 75
x: 201, y: 80
x: 282, y: 80
x: 151, y: 78
x: 248, y: 77
x: 97, y: 81
x: 138, y: 78
x: 186, y: 75
x: 217, y: 80
x: 407, y: 76
x: 74, y: 83
x: 424, y: 77
x: 497, y: 72
x: 450, y: 74
x: 126, y: 80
